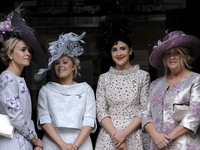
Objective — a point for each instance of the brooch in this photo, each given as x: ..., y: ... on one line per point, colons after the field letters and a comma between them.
x: 134, y: 82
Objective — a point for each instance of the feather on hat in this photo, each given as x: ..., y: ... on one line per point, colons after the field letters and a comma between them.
x: 67, y: 44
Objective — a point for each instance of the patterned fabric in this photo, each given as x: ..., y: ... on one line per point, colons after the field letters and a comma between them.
x: 67, y: 107
x: 69, y: 135
x: 121, y: 95
x: 15, y: 102
x: 159, y: 108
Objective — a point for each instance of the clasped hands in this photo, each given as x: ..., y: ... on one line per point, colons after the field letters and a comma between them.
x: 162, y: 140
x: 118, y: 139
x: 38, y: 145
x: 68, y: 146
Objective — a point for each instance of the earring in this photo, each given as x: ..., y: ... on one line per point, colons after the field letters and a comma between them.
x: 10, y: 58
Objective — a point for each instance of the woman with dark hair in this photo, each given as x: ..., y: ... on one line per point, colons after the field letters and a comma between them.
x: 66, y: 109
x: 172, y: 112
x: 19, y: 47
x: 122, y: 91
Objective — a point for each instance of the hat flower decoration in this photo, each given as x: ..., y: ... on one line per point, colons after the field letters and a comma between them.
x: 157, y: 44
x: 5, y: 27
x: 67, y: 44
x: 14, y: 26
x: 160, y: 41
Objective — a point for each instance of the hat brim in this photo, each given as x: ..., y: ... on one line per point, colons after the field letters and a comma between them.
x: 42, y: 73
x: 38, y: 55
x: 188, y: 41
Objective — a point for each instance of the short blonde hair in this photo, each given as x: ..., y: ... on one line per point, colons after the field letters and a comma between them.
x: 8, y: 46
x: 186, y: 59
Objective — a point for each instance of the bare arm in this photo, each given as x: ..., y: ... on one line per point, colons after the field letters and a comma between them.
x: 150, y: 128
x: 177, y: 132
x: 83, y: 135
x: 53, y: 134
x: 37, y: 142
x: 120, y: 136
x: 134, y: 125
x: 108, y: 125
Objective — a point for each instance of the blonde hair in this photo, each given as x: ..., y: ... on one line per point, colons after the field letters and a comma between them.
x: 8, y: 46
x: 77, y: 67
x: 186, y: 59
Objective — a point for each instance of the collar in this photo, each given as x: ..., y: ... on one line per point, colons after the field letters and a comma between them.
x: 75, y: 89
x: 124, y: 72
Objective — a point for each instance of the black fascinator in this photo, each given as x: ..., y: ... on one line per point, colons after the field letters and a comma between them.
x: 112, y: 29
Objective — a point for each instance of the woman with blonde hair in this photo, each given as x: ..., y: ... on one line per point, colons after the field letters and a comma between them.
x: 66, y: 109
x: 19, y: 47
x: 171, y: 115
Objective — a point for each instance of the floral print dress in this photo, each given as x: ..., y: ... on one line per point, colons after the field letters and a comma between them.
x: 15, y: 102
x: 159, y: 109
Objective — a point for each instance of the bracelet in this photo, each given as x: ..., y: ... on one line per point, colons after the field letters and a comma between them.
x: 76, y: 148
x: 36, y: 138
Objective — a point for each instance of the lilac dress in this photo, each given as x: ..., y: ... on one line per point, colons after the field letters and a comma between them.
x: 15, y: 102
x: 159, y: 108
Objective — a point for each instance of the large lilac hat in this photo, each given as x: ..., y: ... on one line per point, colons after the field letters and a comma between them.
x: 172, y: 40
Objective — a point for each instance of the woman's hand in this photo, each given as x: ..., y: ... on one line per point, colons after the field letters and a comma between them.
x: 38, y: 143
x: 169, y: 138
x: 38, y: 148
x: 161, y: 139
x: 119, y: 137
x: 123, y: 146
x: 67, y: 146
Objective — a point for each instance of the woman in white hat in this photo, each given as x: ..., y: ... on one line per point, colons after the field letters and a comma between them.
x: 172, y: 112
x: 19, y: 47
x: 66, y: 109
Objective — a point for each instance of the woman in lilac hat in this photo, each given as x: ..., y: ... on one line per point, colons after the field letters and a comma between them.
x: 179, y: 88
